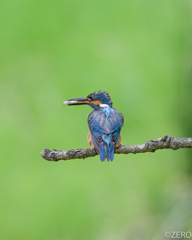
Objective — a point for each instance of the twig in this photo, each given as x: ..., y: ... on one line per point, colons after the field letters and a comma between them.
x: 150, y: 146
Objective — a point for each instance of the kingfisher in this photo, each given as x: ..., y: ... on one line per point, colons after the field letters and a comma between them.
x: 105, y: 123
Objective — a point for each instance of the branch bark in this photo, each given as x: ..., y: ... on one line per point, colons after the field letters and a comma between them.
x: 150, y: 146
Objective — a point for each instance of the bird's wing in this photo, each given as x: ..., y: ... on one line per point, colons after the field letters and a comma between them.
x: 95, y: 119
x: 116, y: 123
x: 99, y: 124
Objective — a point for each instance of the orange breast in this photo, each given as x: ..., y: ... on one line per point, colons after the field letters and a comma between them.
x: 90, y: 141
x: 119, y: 141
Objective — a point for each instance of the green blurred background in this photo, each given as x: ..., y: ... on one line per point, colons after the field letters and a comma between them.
x: 51, y: 51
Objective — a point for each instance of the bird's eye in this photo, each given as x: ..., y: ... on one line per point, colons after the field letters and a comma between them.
x: 90, y: 99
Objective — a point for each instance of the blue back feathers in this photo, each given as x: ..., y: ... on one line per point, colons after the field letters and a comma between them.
x: 105, y: 124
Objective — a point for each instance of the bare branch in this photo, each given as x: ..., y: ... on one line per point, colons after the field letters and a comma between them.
x: 150, y: 146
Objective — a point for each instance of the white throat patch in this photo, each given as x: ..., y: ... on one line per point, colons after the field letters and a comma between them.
x: 103, y: 105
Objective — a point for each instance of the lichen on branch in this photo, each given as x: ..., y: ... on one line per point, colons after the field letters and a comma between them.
x: 167, y: 142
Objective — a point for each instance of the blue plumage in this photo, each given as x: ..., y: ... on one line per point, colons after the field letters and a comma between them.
x: 105, y: 123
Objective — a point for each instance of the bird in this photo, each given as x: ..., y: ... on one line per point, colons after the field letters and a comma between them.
x: 104, y: 122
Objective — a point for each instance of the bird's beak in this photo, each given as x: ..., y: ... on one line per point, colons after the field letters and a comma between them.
x: 77, y: 101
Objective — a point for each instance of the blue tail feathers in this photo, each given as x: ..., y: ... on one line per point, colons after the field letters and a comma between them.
x: 106, y: 149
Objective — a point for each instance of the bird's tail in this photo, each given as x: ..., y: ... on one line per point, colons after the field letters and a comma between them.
x: 106, y: 149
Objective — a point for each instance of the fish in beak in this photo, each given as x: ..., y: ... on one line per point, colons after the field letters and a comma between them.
x: 77, y: 101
